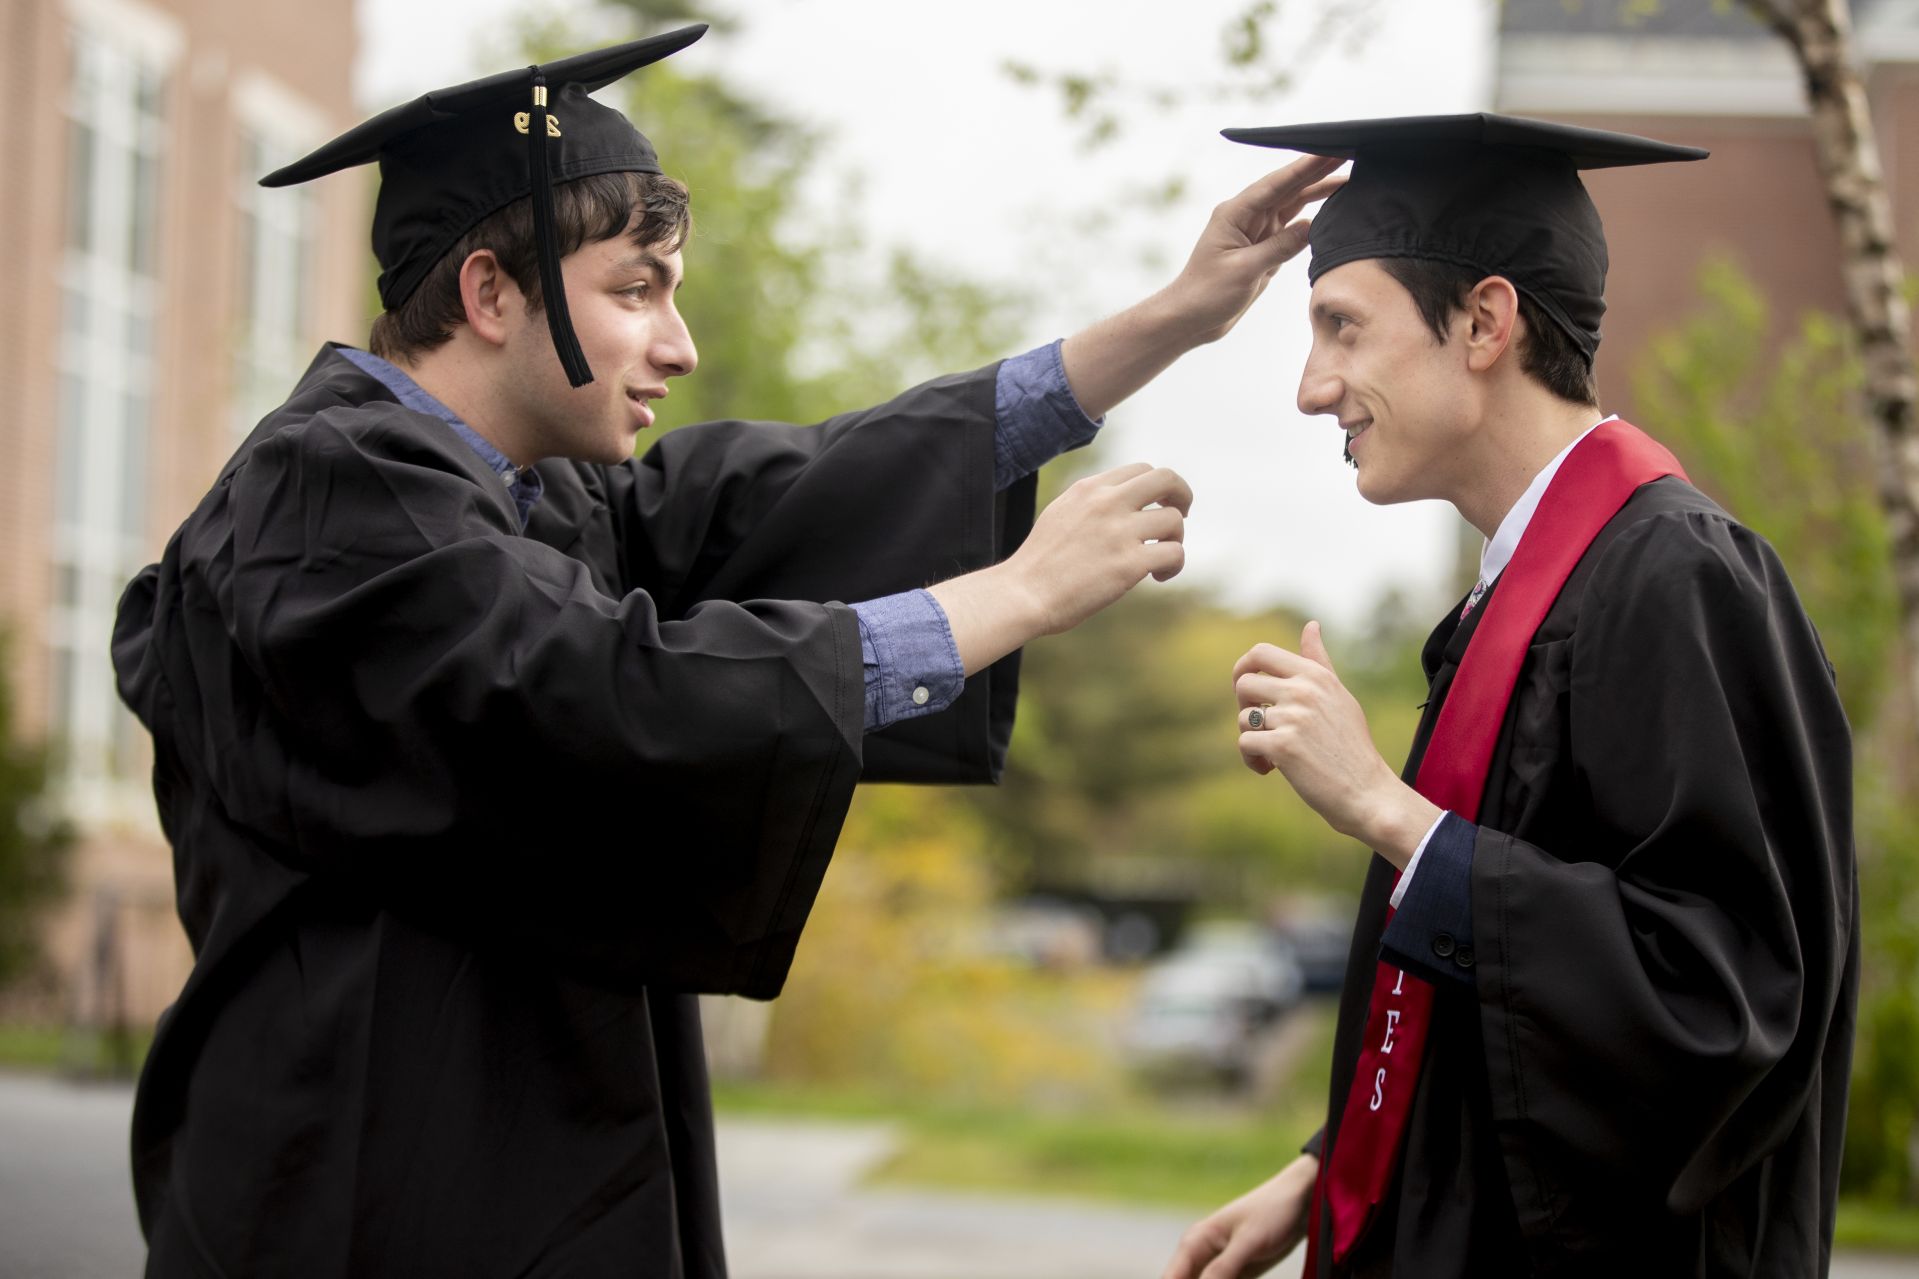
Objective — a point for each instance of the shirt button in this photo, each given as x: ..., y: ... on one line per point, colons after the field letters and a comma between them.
x: 1463, y: 956
x: 921, y: 696
x: 1444, y: 945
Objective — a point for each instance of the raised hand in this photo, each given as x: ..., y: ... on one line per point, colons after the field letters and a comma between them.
x: 1247, y: 239
x: 1098, y: 540
x: 1310, y: 728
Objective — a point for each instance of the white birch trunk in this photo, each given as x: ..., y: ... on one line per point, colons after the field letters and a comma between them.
x: 1820, y: 35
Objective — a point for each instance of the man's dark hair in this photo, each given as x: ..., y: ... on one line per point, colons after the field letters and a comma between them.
x: 585, y: 210
x: 1546, y: 352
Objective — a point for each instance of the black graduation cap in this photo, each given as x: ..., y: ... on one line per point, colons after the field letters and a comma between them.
x: 1497, y: 194
x: 450, y: 158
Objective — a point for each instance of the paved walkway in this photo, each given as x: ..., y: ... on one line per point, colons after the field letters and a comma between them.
x: 794, y: 1210
x: 794, y: 1207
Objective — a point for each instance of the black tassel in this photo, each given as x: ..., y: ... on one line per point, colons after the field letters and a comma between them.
x: 552, y: 283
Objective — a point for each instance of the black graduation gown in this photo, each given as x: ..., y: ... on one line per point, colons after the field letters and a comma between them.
x: 1648, y: 1074
x: 463, y: 816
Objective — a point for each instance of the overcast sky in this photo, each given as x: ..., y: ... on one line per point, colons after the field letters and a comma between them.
x: 988, y: 177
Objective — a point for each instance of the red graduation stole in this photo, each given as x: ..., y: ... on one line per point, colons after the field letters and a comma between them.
x: 1598, y: 476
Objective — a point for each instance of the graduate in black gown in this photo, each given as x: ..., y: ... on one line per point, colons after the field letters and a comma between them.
x: 483, y: 747
x: 1622, y: 861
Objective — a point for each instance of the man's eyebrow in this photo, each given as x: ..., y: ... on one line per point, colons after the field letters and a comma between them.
x: 1326, y: 307
x: 645, y: 260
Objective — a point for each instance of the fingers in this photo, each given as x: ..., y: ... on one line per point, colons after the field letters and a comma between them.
x: 1198, y: 1246
x: 1282, y: 245
x: 1275, y: 232
x: 1158, y: 484
x: 1165, y: 560
x: 1282, y: 185
x: 1256, y: 688
x: 1270, y: 659
x: 1161, y: 524
x: 1312, y: 646
x: 1321, y: 189
x: 1237, y: 1262
x: 1119, y: 475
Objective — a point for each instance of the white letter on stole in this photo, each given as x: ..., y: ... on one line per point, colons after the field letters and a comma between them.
x: 1392, y: 1020
x: 1379, y: 1085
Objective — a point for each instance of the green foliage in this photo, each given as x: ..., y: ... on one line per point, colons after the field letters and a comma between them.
x: 1775, y: 434
x: 1882, y: 1121
x: 33, y: 843
x: 1775, y: 431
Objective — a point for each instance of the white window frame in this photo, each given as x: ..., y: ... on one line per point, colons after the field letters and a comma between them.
x: 109, y: 294
x: 278, y: 243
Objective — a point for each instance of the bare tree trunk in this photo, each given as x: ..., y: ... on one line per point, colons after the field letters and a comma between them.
x: 1820, y: 35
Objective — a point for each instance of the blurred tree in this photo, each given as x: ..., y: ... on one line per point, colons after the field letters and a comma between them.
x: 1776, y: 436
x: 1256, y: 66
x: 34, y: 843
x: 1819, y: 33
x: 895, y: 990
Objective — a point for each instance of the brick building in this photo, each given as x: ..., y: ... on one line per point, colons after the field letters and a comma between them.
x: 1704, y: 73
x: 158, y: 302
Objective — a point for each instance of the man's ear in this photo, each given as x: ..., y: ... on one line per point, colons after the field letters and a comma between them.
x: 1491, y: 318
x: 487, y: 292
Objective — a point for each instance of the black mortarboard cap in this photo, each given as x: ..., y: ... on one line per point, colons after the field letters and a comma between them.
x: 450, y: 158
x: 1497, y: 194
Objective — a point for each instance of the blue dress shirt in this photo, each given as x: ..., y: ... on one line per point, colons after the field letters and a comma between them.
x: 523, y: 483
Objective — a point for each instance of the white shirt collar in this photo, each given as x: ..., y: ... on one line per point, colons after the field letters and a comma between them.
x: 1505, y: 539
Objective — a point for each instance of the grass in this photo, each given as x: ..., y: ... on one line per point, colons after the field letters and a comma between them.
x: 1875, y: 1227
x: 1139, y: 1153
x: 92, y: 1053
x: 1193, y: 1156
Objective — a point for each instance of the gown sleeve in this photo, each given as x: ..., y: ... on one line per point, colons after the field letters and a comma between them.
x: 453, y: 714
x: 864, y: 505
x: 1655, y: 1004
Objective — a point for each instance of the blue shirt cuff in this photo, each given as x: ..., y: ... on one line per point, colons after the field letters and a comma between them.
x: 1037, y: 416
x: 912, y: 664
x: 1431, y: 934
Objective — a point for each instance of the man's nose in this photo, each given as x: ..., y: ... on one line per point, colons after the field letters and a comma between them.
x: 673, y: 351
x: 1319, y: 390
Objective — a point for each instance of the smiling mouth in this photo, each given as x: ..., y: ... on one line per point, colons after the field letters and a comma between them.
x: 1352, y: 433
x: 643, y: 400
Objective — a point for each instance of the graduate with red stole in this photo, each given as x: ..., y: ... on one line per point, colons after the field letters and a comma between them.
x: 1598, y: 1015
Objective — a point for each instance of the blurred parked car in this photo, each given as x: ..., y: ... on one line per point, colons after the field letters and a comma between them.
x: 1321, y: 943
x: 1204, y: 1008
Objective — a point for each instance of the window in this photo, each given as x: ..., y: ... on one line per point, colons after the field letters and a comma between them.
x: 276, y: 235
x: 115, y: 121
